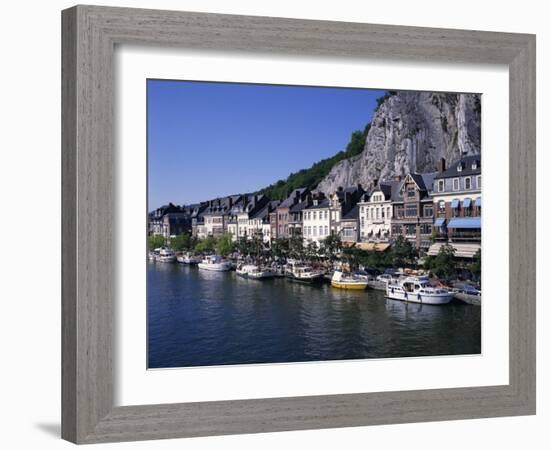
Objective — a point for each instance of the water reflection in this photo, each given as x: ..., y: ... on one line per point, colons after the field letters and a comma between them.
x: 197, y: 317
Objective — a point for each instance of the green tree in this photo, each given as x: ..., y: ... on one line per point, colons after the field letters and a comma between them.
x: 224, y: 244
x: 181, y: 242
x: 403, y: 253
x: 155, y: 241
x: 311, y: 251
x: 243, y: 246
x: 296, y: 245
x: 475, y: 267
x: 375, y: 259
x: 443, y: 264
x: 331, y: 247
x: 280, y: 248
x: 353, y: 256
x: 206, y: 245
x: 256, y: 245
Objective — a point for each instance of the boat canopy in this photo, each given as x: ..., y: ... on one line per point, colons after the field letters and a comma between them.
x: 465, y: 222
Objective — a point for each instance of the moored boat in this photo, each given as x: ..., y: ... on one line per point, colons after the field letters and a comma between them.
x: 188, y: 258
x: 343, y: 280
x: 166, y: 255
x: 418, y: 290
x: 297, y: 271
x: 254, y: 272
x: 153, y: 254
x: 215, y: 263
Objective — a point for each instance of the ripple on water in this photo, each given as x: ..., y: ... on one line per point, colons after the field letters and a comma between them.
x: 198, y: 318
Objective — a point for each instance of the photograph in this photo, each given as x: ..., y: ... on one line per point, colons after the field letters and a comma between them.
x: 295, y: 224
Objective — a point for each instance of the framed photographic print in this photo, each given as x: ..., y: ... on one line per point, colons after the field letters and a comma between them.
x: 257, y: 209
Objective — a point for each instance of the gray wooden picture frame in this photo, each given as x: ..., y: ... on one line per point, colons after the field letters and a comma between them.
x: 90, y: 34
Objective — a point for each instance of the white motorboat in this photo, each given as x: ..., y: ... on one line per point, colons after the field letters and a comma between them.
x: 254, y: 272
x: 418, y: 290
x: 188, y: 258
x: 166, y: 255
x: 215, y: 263
x: 153, y: 254
x: 298, y: 271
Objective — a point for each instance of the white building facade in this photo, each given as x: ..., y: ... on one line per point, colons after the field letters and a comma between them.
x: 375, y: 214
x: 316, y: 221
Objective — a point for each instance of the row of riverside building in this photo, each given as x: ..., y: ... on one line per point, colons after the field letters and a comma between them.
x: 428, y: 209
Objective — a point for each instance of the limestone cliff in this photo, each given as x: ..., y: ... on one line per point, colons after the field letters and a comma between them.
x: 411, y: 131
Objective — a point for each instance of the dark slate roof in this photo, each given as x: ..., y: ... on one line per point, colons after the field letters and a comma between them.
x: 419, y: 180
x: 165, y: 209
x: 352, y: 214
x: 291, y: 199
x: 386, y: 189
x: 428, y: 179
x: 424, y: 181
x: 263, y: 213
x: 396, y: 191
x: 325, y: 203
x: 299, y: 206
x: 218, y: 206
x: 466, y: 163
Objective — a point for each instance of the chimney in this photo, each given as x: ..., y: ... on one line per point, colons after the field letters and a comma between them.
x: 441, y: 166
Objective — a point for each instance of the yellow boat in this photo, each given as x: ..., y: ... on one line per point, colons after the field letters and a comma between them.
x: 341, y: 281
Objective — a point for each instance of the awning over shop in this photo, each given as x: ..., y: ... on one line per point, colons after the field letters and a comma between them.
x: 465, y: 222
x: 439, y: 222
x: 467, y: 202
x: 478, y: 202
x: 455, y: 203
x: 373, y: 246
x: 461, y: 250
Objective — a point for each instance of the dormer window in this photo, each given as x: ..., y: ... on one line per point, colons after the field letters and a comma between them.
x: 459, y: 168
x: 474, y: 165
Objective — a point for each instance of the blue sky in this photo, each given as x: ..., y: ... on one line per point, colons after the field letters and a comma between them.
x: 213, y: 139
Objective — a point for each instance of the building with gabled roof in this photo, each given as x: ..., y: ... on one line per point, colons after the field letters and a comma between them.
x: 169, y: 220
x: 247, y: 222
x: 457, y: 203
x: 412, y: 209
x: 376, y: 212
x: 324, y: 215
x: 349, y: 226
x: 287, y: 222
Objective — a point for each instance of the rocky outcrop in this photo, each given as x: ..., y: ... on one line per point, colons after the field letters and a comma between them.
x: 410, y: 132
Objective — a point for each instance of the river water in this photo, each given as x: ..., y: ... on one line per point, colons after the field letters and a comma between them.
x: 201, y: 318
